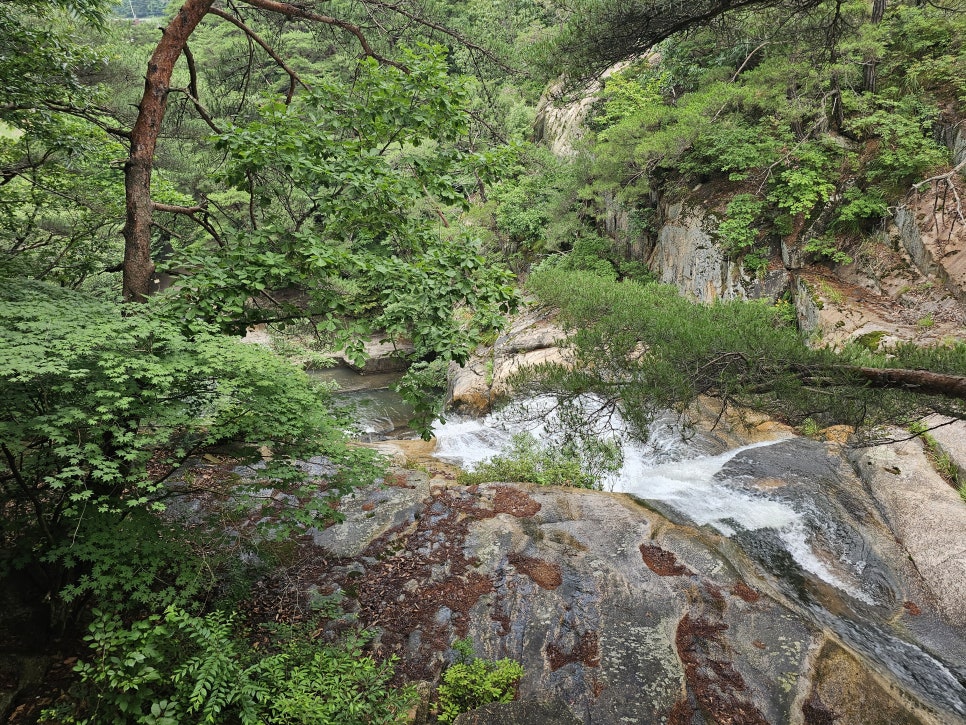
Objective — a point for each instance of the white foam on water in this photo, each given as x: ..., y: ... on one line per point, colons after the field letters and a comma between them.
x: 690, y: 487
x: 657, y: 471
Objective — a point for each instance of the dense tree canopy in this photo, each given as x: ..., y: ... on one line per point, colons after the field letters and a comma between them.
x: 358, y: 168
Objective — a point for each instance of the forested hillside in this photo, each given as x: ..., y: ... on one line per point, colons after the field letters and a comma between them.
x: 358, y: 170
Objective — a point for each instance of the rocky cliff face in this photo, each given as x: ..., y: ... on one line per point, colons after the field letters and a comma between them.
x: 908, y: 282
x: 686, y: 254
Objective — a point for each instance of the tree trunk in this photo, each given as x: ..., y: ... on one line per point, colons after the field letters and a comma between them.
x: 916, y: 381
x: 138, y: 267
x: 869, y: 72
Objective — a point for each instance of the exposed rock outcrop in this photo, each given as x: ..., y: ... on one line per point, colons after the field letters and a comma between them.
x: 687, y: 255
x: 925, y: 513
x: 543, y: 711
x: 833, y: 310
x: 934, y: 236
x: 560, y: 117
x: 620, y: 613
x: 531, y: 340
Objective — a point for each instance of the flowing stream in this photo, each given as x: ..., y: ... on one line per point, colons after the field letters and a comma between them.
x: 680, y: 473
x: 801, y: 536
x: 801, y: 533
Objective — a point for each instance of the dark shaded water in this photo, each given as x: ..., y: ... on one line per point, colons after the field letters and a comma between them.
x: 379, y: 411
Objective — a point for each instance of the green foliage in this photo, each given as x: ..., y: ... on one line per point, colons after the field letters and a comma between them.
x: 870, y: 340
x: 738, y: 233
x: 176, y: 668
x: 770, y: 101
x: 810, y: 428
x: 860, y: 207
x: 592, y: 253
x: 823, y: 247
x: 132, y: 562
x: 334, y: 170
x: 533, y: 204
x: 903, y: 131
x: 62, y: 202
x: 528, y: 460
x: 473, y: 682
x: 649, y: 350
x: 424, y: 387
x: 41, y: 56
x: 804, y: 183
x: 925, y: 52
x: 91, y: 396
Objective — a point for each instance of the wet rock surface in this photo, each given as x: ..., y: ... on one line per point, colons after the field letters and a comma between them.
x: 621, y: 615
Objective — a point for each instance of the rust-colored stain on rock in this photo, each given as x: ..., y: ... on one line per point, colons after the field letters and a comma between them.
x: 661, y: 562
x: 816, y: 713
x: 509, y: 500
x: 743, y: 591
x: 543, y: 573
x: 713, y: 684
x: 586, y: 652
x: 912, y: 608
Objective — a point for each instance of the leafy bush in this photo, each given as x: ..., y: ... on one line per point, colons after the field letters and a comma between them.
x: 98, y: 408
x: 177, y: 668
x: 530, y: 461
x: 424, y: 386
x: 474, y: 682
x: 823, y: 247
x: 739, y: 233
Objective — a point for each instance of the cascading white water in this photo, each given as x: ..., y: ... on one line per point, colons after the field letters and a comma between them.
x: 667, y: 469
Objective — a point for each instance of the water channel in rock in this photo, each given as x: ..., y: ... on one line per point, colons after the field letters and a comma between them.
x: 805, y: 529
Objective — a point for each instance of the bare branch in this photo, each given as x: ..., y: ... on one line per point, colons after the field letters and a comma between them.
x: 942, y: 177
x: 192, y: 212
x: 191, y: 92
x: 293, y: 11
x: 458, y: 37
x: 294, y: 78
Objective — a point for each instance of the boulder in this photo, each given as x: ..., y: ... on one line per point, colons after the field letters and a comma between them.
x: 532, y: 339
x: 926, y: 514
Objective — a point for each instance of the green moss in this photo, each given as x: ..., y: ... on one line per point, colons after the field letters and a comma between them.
x: 870, y: 340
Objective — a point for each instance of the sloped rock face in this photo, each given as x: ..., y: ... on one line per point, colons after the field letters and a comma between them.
x: 838, y: 308
x: 560, y: 119
x: 532, y: 339
x: 932, y: 234
x: 639, y: 622
x: 619, y: 614
x: 927, y: 516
